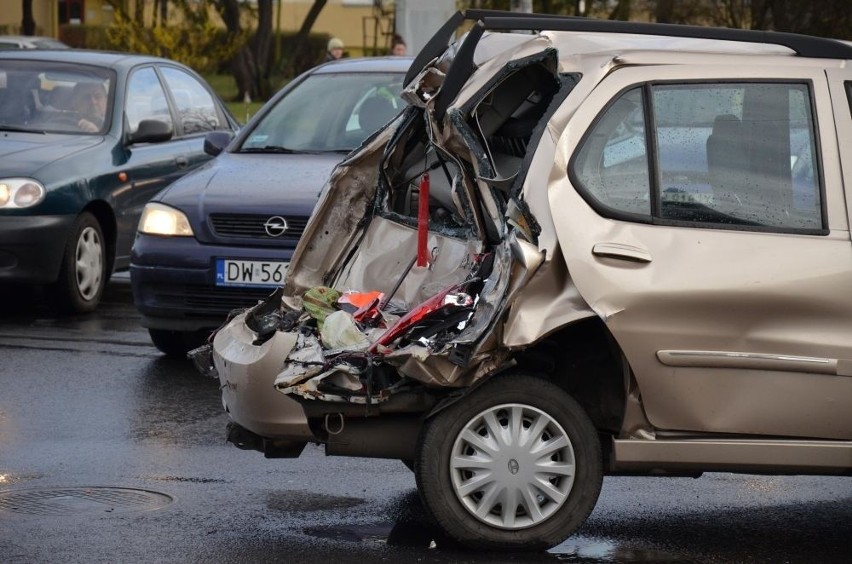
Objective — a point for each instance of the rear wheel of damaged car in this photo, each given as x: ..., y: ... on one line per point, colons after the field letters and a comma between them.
x: 177, y: 343
x: 515, y: 464
x: 82, y: 275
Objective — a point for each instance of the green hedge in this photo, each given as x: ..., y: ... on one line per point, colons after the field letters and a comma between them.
x: 286, y: 62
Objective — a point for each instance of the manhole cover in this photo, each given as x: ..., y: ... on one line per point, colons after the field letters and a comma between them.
x: 81, y: 500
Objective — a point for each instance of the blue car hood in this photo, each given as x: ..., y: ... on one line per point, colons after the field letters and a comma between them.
x: 25, y: 154
x: 272, y: 184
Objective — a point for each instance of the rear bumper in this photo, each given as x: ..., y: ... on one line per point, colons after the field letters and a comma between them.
x: 246, y: 376
x: 31, y: 247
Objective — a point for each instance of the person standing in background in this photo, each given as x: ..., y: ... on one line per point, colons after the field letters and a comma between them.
x: 335, y: 49
x: 398, y: 47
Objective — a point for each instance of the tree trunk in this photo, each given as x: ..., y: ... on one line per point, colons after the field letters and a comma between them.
x: 252, y: 65
x: 164, y: 12
x: 28, y: 23
x: 300, y: 58
x: 664, y: 11
x: 262, y: 44
x: 241, y: 64
x: 139, y: 13
x: 621, y: 11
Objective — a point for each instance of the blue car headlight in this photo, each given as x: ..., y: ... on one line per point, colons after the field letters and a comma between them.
x: 16, y: 193
x: 160, y: 219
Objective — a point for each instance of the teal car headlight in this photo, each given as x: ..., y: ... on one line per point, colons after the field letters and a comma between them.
x: 159, y: 219
x: 16, y: 193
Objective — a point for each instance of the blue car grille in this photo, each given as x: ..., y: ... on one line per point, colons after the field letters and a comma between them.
x: 253, y: 226
x: 207, y: 301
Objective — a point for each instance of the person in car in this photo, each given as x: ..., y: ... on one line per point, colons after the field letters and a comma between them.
x: 90, y: 102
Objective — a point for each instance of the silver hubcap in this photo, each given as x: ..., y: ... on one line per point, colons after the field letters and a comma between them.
x: 89, y: 263
x: 512, y: 466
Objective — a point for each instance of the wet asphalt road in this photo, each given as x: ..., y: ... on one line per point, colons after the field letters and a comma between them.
x: 112, y: 453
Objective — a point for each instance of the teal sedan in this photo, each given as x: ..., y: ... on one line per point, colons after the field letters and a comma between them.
x: 86, y: 139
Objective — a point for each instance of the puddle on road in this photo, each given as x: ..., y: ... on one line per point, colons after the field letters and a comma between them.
x: 422, y: 535
x: 186, y: 479
x: 8, y: 478
x: 587, y: 549
x: 355, y: 533
x: 299, y: 500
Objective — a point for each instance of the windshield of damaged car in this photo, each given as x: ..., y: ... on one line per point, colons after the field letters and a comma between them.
x: 328, y: 112
x: 49, y: 97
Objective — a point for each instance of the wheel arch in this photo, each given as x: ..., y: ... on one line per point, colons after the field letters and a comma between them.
x: 584, y: 359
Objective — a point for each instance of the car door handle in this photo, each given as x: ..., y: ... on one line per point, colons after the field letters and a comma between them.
x: 181, y: 162
x: 621, y: 251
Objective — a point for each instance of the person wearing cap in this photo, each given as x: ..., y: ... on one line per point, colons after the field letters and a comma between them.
x: 335, y: 49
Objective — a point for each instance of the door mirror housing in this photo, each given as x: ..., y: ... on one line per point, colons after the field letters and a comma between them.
x: 150, y: 131
x: 216, y: 141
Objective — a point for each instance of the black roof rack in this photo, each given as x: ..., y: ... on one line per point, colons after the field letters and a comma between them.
x: 462, y: 65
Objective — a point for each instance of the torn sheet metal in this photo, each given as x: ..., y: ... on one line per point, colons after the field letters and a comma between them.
x: 342, y: 383
x: 438, y: 324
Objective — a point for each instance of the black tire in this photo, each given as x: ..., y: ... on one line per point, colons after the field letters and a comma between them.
x: 83, y: 273
x: 177, y: 343
x: 529, y: 400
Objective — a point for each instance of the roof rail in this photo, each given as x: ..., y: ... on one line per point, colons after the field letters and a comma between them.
x: 802, y: 45
x: 462, y: 65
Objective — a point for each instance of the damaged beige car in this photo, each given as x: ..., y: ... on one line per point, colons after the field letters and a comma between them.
x: 591, y: 248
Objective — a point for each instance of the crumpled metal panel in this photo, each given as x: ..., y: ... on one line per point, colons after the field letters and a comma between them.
x: 386, y: 250
x: 421, y: 364
x: 336, y: 221
x: 373, y: 258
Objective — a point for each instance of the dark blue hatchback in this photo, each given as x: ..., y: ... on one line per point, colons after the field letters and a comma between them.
x: 221, y: 238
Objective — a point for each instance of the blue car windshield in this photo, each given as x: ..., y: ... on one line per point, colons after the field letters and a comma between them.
x: 328, y: 112
x: 49, y: 97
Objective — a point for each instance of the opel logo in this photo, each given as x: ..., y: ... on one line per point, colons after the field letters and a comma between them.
x: 275, y: 226
x: 514, y: 466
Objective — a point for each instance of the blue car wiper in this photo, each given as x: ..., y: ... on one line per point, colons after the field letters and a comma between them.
x: 269, y: 149
x: 7, y: 127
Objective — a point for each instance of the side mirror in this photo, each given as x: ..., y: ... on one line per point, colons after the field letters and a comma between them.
x: 150, y: 131
x: 216, y: 141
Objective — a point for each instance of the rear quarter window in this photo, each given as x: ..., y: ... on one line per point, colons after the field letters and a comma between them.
x: 732, y: 154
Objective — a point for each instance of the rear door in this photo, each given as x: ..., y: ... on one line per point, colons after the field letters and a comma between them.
x: 706, y: 224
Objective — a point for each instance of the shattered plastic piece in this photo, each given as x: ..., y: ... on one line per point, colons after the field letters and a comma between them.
x: 360, y: 299
x: 340, y: 332
x: 265, y: 317
x: 319, y: 303
x: 370, y: 314
x: 307, y: 350
x: 424, y: 310
x: 202, y: 359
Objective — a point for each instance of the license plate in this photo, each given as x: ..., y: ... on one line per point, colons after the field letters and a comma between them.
x: 250, y: 272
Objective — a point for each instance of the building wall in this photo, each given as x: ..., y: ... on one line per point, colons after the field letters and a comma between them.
x: 351, y: 20
x: 44, y: 14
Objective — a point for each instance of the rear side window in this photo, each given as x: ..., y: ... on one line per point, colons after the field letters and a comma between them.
x: 719, y: 154
x: 195, y: 106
